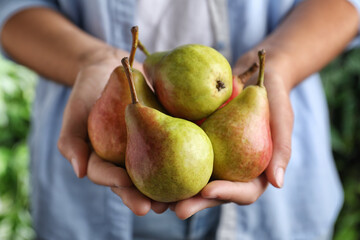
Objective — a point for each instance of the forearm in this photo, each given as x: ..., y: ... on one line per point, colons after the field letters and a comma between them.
x: 308, y: 38
x: 48, y: 43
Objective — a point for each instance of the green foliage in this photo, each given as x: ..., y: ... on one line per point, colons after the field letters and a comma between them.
x: 16, y: 94
x: 342, y: 88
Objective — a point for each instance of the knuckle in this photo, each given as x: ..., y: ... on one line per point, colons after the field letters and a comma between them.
x: 285, y: 151
x: 121, y: 179
x: 61, y: 144
x: 113, y: 189
x: 251, y: 199
x: 92, y: 170
x: 116, y: 182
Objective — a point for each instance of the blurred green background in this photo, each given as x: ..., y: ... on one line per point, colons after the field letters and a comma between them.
x: 341, y: 80
x: 16, y: 95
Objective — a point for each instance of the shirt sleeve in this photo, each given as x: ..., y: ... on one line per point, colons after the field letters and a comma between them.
x: 10, y: 7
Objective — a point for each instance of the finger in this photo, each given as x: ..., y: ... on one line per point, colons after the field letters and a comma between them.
x: 172, y: 206
x: 242, y: 193
x: 159, y: 207
x: 72, y: 142
x: 139, y: 204
x: 281, y: 124
x: 188, y: 207
x: 105, y: 173
x: 76, y: 150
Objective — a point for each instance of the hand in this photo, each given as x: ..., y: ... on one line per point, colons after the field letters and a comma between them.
x: 105, y: 173
x: 278, y: 83
x: 73, y: 141
x: 218, y: 192
x: 281, y: 123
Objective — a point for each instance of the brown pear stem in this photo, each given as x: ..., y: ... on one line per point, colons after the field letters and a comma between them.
x: 126, y: 65
x: 143, y: 48
x: 245, y: 76
x: 261, y: 77
x: 134, y: 45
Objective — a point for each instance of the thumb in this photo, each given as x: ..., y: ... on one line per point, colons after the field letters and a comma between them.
x: 281, y: 124
x: 72, y: 142
x: 76, y: 150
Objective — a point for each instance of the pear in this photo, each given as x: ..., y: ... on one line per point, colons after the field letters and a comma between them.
x: 190, y: 81
x: 238, y: 85
x: 240, y: 133
x: 168, y: 159
x: 240, y: 80
x: 106, y: 122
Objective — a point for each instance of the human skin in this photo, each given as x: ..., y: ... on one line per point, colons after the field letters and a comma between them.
x: 311, y: 35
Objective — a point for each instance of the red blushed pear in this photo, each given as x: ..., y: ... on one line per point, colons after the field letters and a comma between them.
x: 106, y: 122
x: 168, y: 159
x: 240, y: 133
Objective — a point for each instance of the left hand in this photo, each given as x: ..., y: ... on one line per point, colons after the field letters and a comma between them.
x: 281, y: 123
x: 218, y: 192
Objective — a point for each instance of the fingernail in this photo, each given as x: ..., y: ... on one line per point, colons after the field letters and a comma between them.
x: 279, y: 177
x: 75, y: 166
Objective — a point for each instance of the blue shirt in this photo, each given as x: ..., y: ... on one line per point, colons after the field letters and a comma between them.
x: 64, y: 207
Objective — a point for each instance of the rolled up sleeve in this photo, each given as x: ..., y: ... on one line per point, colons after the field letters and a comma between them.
x: 10, y: 7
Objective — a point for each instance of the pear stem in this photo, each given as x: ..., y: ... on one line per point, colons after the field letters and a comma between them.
x: 261, y: 77
x: 245, y: 76
x: 143, y: 48
x: 126, y: 65
x: 134, y: 45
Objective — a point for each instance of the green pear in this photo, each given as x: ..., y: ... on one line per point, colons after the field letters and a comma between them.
x: 240, y: 133
x: 191, y: 81
x: 168, y: 159
x: 106, y: 121
x: 150, y: 63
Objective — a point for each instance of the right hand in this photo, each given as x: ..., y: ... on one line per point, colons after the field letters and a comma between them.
x: 73, y: 142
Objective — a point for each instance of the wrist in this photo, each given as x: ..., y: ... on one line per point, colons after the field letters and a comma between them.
x: 279, y: 66
x: 104, y: 59
x: 102, y: 55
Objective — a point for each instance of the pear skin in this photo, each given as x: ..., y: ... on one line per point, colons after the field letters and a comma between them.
x: 150, y: 64
x: 191, y: 81
x: 240, y: 134
x: 238, y: 85
x: 240, y: 80
x: 168, y: 159
x: 106, y: 122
